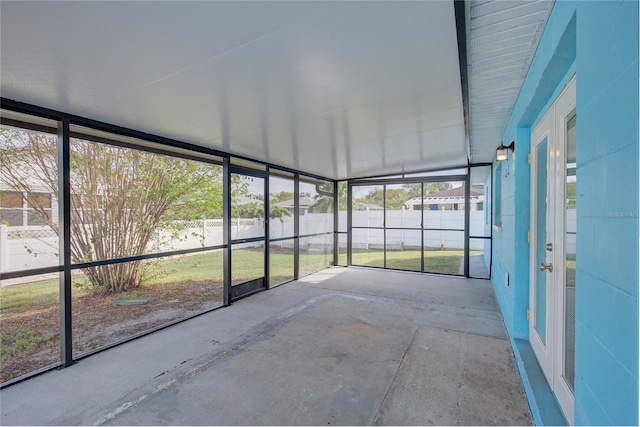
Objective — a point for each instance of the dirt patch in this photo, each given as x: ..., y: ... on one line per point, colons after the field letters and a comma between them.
x: 30, y: 338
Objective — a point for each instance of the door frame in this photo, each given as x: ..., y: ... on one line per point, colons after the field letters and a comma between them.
x: 541, y: 348
x: 551, y: 356
x: 258, y: 284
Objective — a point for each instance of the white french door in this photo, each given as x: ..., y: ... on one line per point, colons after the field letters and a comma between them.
x: 552, y: 254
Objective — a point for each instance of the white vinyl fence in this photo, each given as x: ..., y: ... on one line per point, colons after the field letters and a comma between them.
x: 37, y: 246
x: 23, y: 248
x: 438, y: 237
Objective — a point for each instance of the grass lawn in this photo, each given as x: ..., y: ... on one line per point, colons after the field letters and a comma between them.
x: 438, y: 261
x: 176, y: 287
x: 179, y: 271
x: 29, y: 296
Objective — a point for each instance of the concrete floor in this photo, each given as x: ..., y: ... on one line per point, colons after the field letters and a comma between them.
x: 477, y: 267
x: 342, y: 346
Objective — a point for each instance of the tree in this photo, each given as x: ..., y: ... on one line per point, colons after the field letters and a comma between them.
x: 374, y: 197
x: 256, y: 210
x: 429, y: 188
x: 343, y: 193
x: 414, y: 190
x: 323, y: 200
x: 282, y: 196
x: 120, y: 197
x: 397, y: 198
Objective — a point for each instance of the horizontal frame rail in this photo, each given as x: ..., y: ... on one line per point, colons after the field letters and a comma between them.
x: 405, y: 228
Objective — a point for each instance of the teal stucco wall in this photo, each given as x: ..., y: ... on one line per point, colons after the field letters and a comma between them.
x: 598, y: 41
x: 606, y: 386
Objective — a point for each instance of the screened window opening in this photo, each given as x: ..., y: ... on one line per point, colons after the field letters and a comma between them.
x: 416, y: 225
x: 29, y: 244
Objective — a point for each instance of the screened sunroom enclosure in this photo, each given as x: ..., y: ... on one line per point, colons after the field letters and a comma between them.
x: 97, y: 217
x: 434, y: 222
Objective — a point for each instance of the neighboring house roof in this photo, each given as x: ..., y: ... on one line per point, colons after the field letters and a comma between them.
x: 452, y: 195
x: 305, y: 202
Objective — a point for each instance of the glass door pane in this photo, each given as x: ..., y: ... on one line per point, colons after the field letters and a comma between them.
x: 541, y: 239
x: 247, y: 262
x: 570, y: 253
x: 247, y: 207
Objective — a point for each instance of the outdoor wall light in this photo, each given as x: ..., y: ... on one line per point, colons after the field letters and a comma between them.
x: 502, y: 152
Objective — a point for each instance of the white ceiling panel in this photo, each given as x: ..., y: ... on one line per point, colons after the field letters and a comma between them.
x: 338, y: 89
x: 92, y: 52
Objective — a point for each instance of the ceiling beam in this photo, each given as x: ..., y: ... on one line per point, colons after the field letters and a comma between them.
x: 461, y: 30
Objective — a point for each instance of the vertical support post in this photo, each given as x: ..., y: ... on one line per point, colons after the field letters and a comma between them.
x: 366, y: 245
x: 422, y: 227
x: 64, y: 241
x: 349, y: 222
x: 384, y: 225
x: 296, y: 226
x: 402, y: 232
x: 336, y: 209
x: 467, y: 209
x: 226, y: 230
x: 266, y: 230
x: 488, y: 204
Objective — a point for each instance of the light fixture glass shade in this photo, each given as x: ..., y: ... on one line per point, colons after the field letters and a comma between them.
x: 501, y: 154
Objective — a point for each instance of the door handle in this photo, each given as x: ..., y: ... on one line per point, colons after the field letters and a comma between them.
x: 544, y: 267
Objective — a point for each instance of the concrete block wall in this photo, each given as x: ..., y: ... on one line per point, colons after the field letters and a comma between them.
x: 606, y: 388
x: 597, y: 41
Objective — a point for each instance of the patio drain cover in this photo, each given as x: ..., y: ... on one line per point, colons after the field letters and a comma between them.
x: 129, y: 301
